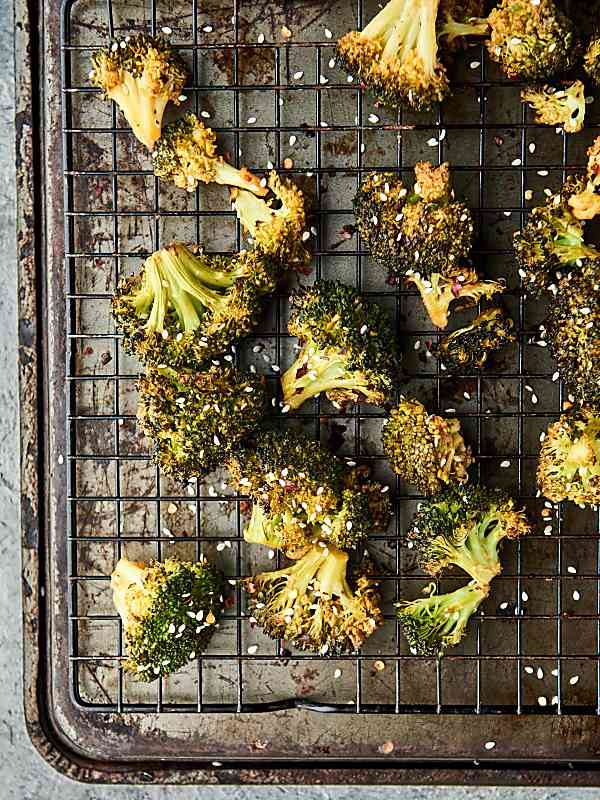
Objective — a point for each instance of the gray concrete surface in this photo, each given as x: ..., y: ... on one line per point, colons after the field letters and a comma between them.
x: 23, y: 774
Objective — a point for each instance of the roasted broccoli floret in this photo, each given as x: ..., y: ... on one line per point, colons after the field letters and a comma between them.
x: 572, y: 330
x: 438, y: 621
x: 569, y: 466
x: 564, y: 107
x: 169, y: 611
x: 396, y: 55
x: 422, y: 236
x: 591, y: 60
x: 348, y: 349
x: 277, y: 225
x: 584, y: 200
x: 552, y: 242
x: 427, y: 451
x: 303, y: 494
x: 186, y: 155
x: 141, y: 74
x: 531, y: 41
x: 468, y: 348
x: 313, y: 605
x: 185, y: 307
x: 196, y: 419
x: 464, y: 526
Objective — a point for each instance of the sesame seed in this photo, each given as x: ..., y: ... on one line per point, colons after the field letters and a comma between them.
x: 503, y: 606
x: 432, y: 142
x: 251, y: 120
x: 293, y: 140
x: 208, y: 29
x: 261, y: 38
x: 337, y: 673
x: 516, y: 162
x: 540, y: 673
x: 165, y: 29
x: 505, y: 464
x: 529, y: 670
x: 373, y: 119
x: 524, y: 597
x: 275, y: 368
x: 205, y: 114
x: 576, y: 595
x: 323, y: 79
x: 532, y: 147
x: 328, y: 33
x: 490, y: 745
x: 298, y: 75
x: 475, y: 64
x: 574, y: 680
x: 572, y: 570
x: 543, y: 173
x: 542, y: 701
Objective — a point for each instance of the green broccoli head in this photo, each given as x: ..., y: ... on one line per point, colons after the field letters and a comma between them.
x: 196, y: 419
x: 169, y: 611
x: 552, y: 242
x: 591, y: 60
x: 378, y: 210
x: 186, y: 307
x: 314, y: 605
x: 572, y: 330
x: 433, y: 623
x: 468, y: 348
x: 396, y: 55
x: 564, y: 107
x: 569, y: 465
x: 141, y: 74
x: 277, y: 225
x: 427, y: 451
x: 531, y: 41
x: 186, y: 155
x: 464, y: 526
x: 348, y: 349
x: 303, y: 494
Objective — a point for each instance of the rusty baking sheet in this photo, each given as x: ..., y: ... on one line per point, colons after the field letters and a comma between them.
x: 89, y: 208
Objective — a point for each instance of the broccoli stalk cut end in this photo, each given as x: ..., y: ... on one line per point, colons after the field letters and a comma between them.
x: 438, y: 293
x: 433, y: 623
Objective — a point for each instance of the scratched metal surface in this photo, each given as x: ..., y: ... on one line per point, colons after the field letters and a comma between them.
x: 107, y: 499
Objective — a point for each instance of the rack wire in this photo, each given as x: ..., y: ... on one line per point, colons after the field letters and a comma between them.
x: 262, y: 73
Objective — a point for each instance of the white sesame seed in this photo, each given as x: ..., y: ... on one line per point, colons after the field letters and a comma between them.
x: 328, y: 33
x: 574, y: 680
x: 208, y: 29
x: 373, y: 119
x: 337, y: 673
x: 532, y: 147
x: 576, y: 595
x: 503, y: 606
x: 205, y: 114
x: 298, y: 75
x: 475, y: 64
x: 490, y: 745
x: 516, y: 162
x: 323, y: 80
x: 432, y: 142
x: 165, y: 29
x: 261, y: 38
x: 251, y: 120
x: 505, y: 464
x: 524, y: 597
x: 542, y: 701
x: 543, y: 173
x: 529, y: 670
x: 539, y: 673
x: 548, y: 530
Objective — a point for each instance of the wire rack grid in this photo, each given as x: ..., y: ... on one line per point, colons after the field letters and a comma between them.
x: 262, y: 76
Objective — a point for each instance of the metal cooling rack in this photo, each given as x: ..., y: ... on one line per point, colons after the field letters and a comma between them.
x: 532, y: 639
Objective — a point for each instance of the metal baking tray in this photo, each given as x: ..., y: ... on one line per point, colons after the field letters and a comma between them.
x: 89, y: 210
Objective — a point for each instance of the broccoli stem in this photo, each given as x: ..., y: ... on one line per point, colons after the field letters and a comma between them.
x: 332, y: 575
x: 216, y: 278
x: 476, y: 26
x: 142, y: 110
x: 317, y: 375
x: 227, y: 175
x: 381, y: 23
x: 252, y: 210
x: 478, y: 555
x: 126, y: 574
x: 436, y: 298
x: 261, y: 529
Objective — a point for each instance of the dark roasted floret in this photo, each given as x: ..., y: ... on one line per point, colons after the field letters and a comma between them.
x: 438, y: 621
x: 464, y: 526
x: 278, y: 224
x: 141, y: 74
x: 185, y: 307
x: 169, y: 611
x: 314, y: 606
x: 196, y: 419
x: 569, y: 466
x: 348, y: 349
x: 552, y: 242
x: 396, y: 55
x: 468, y: 348
x: 573, y: 333
x: 427, y: 451
x: 422, y: 236
x: 186, y: 155
x: 530, y: 41
x: 303, y: 494
x: 564, y: 106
